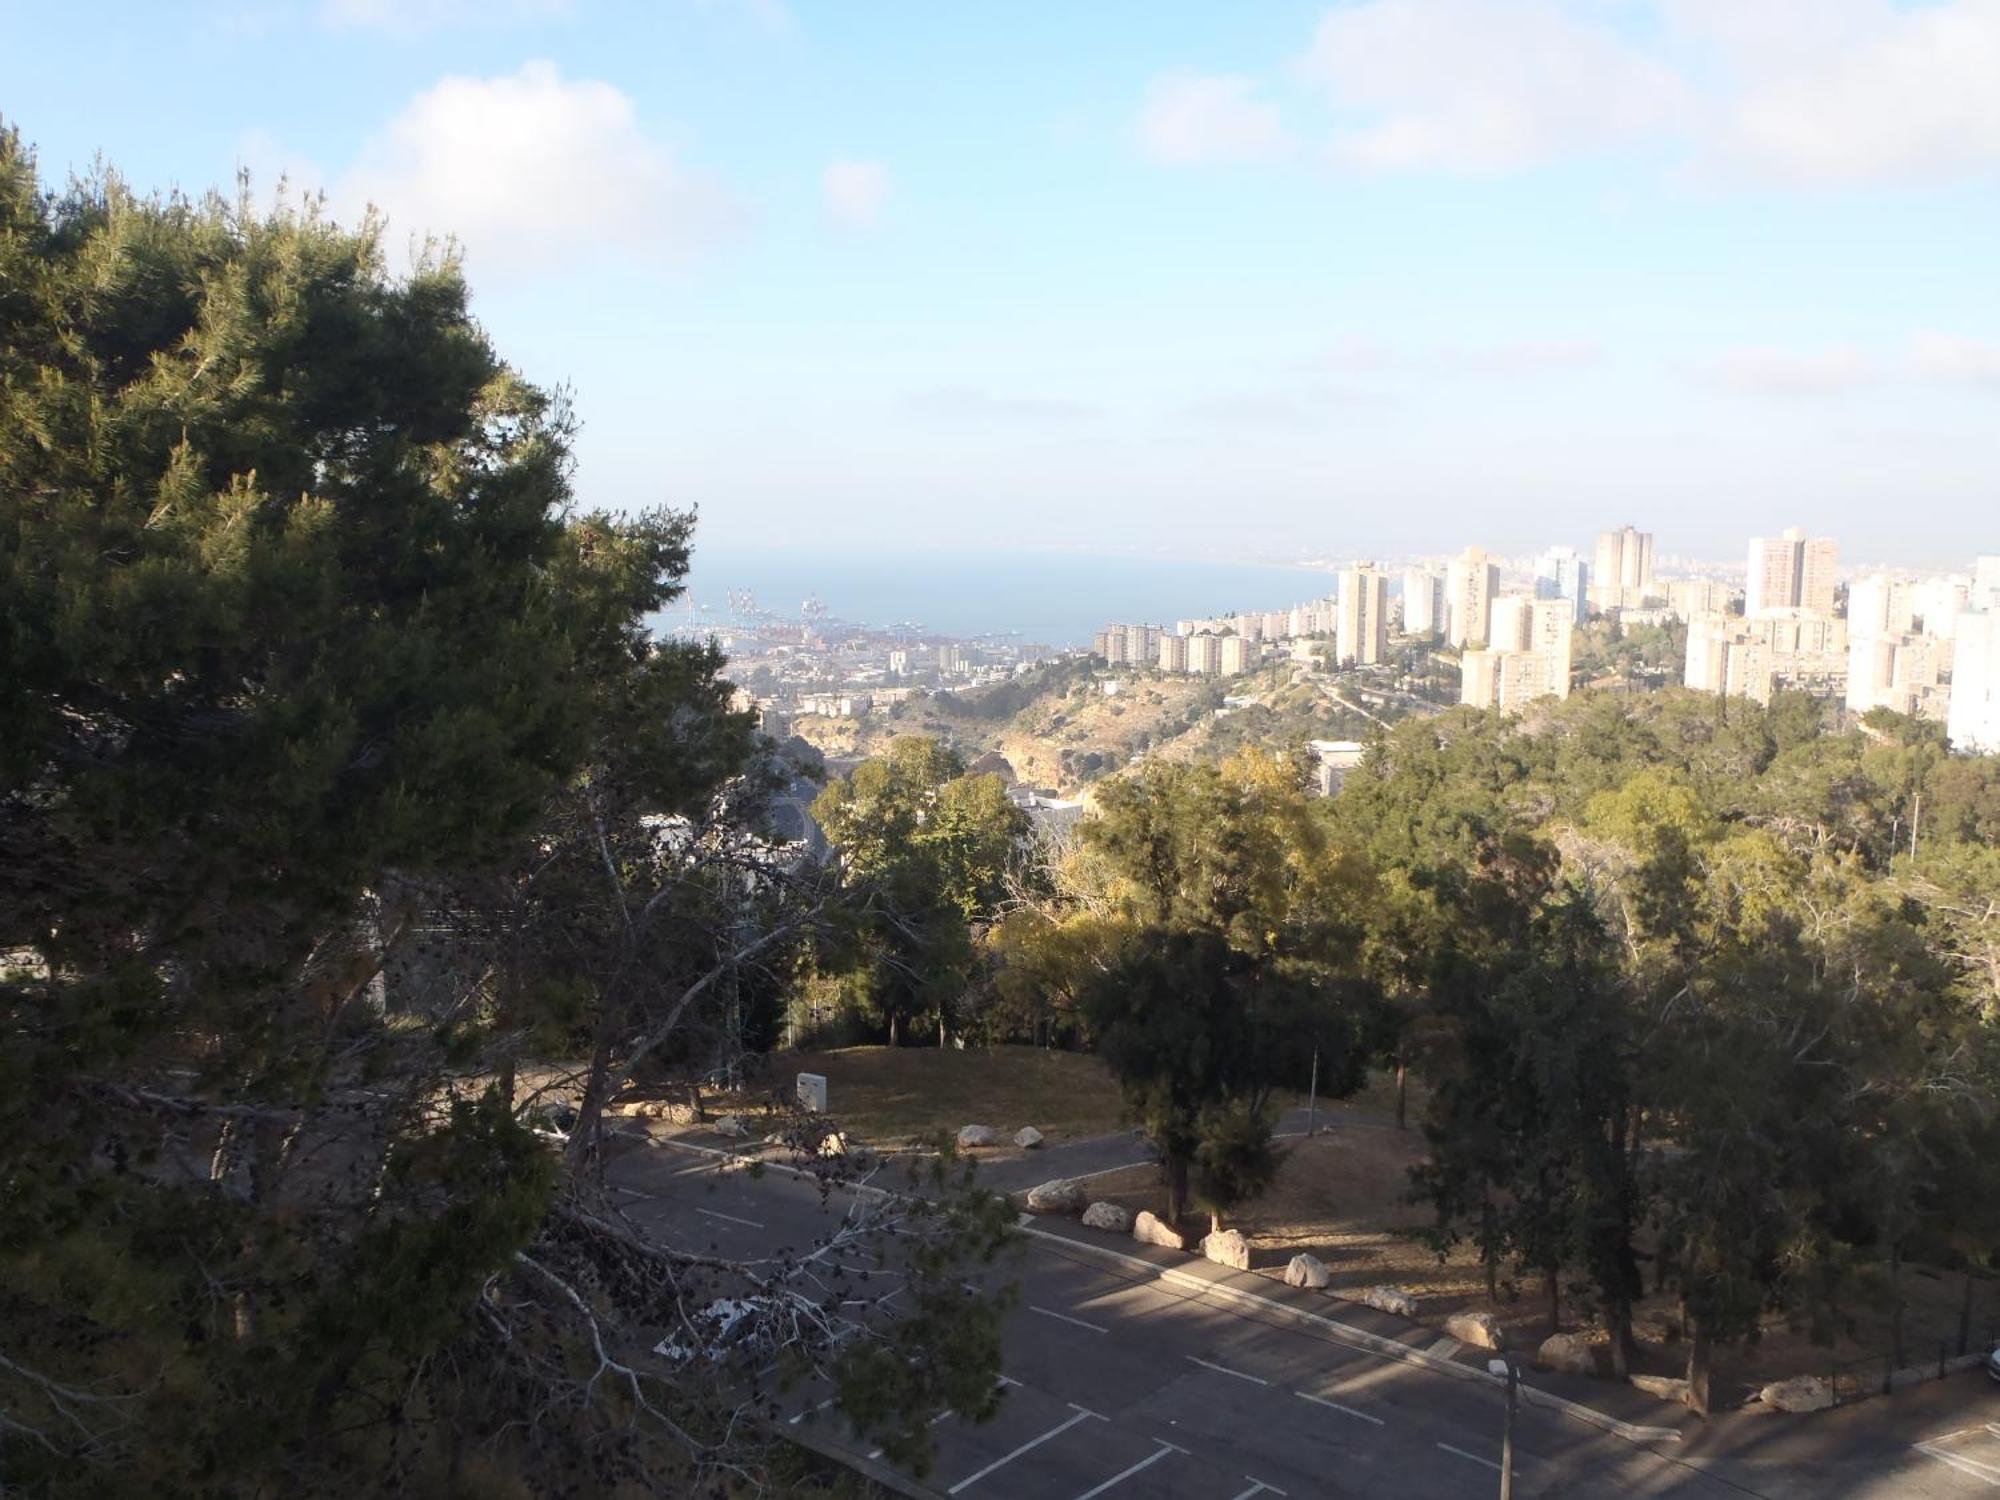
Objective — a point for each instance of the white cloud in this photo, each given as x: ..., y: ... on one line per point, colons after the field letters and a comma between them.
x: 1194, y: 119
x: 412, y: 17
x: 1481, y: 86
x: 1357, y: 356
x: 1816, y: 372
x: 534, y: 170
x: 1852, y: 90
x: 959, y: 403
x: 855, y: 191
x: 1953, y: 357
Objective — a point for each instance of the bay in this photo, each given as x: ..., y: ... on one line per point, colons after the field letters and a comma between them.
x: 1054, y: 598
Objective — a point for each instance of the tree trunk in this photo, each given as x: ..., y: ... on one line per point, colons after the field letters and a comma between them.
x: 1402, y: 1094
x: 582, y: 1147
x: 1621, y: 1340
x: 941, y: 1040
x: 1699, y: 1368
x: 1965, y: 1314
x: 1177, y: 1188
x: 1554, y: 1284
x: 1896, y: 1351
x: 895, y: 1028
x: 1492, y: 1278
x: 1214, y: 1222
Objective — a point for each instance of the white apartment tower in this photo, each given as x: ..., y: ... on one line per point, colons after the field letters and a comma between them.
x: 1423, y: 602
x: 1471, y: 581
x: 1362, y: 635
x: 1528, y: 656
x: 1973, y: 723
x: 1791, y: 571
x: 1561, y: 573
x: 1621, y: 577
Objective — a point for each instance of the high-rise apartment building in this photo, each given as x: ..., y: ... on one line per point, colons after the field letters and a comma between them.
x: 1755, y: 657
x: 1986, y: 582
x: 1881, y: 605
x: 1561, y: 573
x: 1527, y: 656
x: 1939, y: 602
x: 1973, y: 722
x: 1423, y: 602
x: 1688, y: 597
x: 1471, y: 581
x: 1173, y: 653
x: 1204, y: 654
x: 1238, y: 654
x: 1621, y: 575
x: 1361, y: 637
x: 1792, y: 571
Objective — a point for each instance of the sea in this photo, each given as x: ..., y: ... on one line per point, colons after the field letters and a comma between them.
x: 1048, y: 597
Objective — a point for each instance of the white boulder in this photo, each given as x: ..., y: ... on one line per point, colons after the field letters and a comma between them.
x: 1569, y: 1353
x: 1666, y: 1387
x: 1027, y: 1138
x: 833, y: 1143
x: 732, y: 1127
x: 977, y: 1135
x: 1800, y: 1393
x: 1479, y: 1329
x: 1390, y: 1299
x: 1227, y: 1247
x: 1307, y: 1270
x: 1059, y: 1197
x: 1148, y: 1229
x: 1107, y: 1216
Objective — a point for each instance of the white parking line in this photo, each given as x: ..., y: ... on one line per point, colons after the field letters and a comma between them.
x: 730, y: 1218
x: 1049, y: 1312
x: 1346, y: 1411
x: 1972, y: 1466
x: 1082, y: 1415
x: 1144, y: 1463
x: 1257, y: 1487
x: 1225, y: 1370
x: 811, y: 1409
x: 1473, y: 1456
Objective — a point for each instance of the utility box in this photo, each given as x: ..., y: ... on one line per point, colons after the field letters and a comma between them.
x: 812, y: 1092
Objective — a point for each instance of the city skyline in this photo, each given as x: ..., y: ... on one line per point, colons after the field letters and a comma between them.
x: 1092, y: 274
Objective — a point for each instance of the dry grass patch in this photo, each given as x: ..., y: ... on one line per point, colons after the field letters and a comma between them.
x: 885, y: 1096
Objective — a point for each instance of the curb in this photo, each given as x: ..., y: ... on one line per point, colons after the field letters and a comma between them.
x: 1374, y: 1343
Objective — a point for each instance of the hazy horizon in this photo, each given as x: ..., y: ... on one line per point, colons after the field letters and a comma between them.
x: 1373, y: 278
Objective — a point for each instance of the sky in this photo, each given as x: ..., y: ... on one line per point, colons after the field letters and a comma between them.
x: 1375, y: 278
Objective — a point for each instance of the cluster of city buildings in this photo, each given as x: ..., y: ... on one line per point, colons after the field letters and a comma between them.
x: 1926, y: 646
x: 1355, y: 618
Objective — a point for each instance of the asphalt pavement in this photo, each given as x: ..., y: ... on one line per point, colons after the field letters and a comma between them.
x: 1127, y: 1383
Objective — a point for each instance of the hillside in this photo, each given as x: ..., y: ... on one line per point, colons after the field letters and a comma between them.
x: 1059, y: 727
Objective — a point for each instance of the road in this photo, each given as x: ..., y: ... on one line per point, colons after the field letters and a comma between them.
x: 1122, y: 1385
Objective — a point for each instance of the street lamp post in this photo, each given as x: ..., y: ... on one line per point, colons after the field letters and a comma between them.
x: 1507, y: 1431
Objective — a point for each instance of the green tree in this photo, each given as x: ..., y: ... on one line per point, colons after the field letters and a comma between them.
x: 924, y: 852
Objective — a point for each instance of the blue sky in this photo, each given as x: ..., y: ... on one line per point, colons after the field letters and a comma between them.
x: 1374, y: 278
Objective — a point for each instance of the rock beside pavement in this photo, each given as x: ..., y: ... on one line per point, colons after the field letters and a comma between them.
x: 1227, y: 1247
x: 1479, y: 1329
x: 1107, y: 1216
x: 1058, y: 1197
x: 1148, y: 1229
x: 1569, y: 1353
x: 1307, y: 1271
x: 732, y: 1127
x: 1027, y: 1138
x: 1390, y: 1299
x: 1800, y: 1393
x: 1666, y: 1387
x: 970, y: 1136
